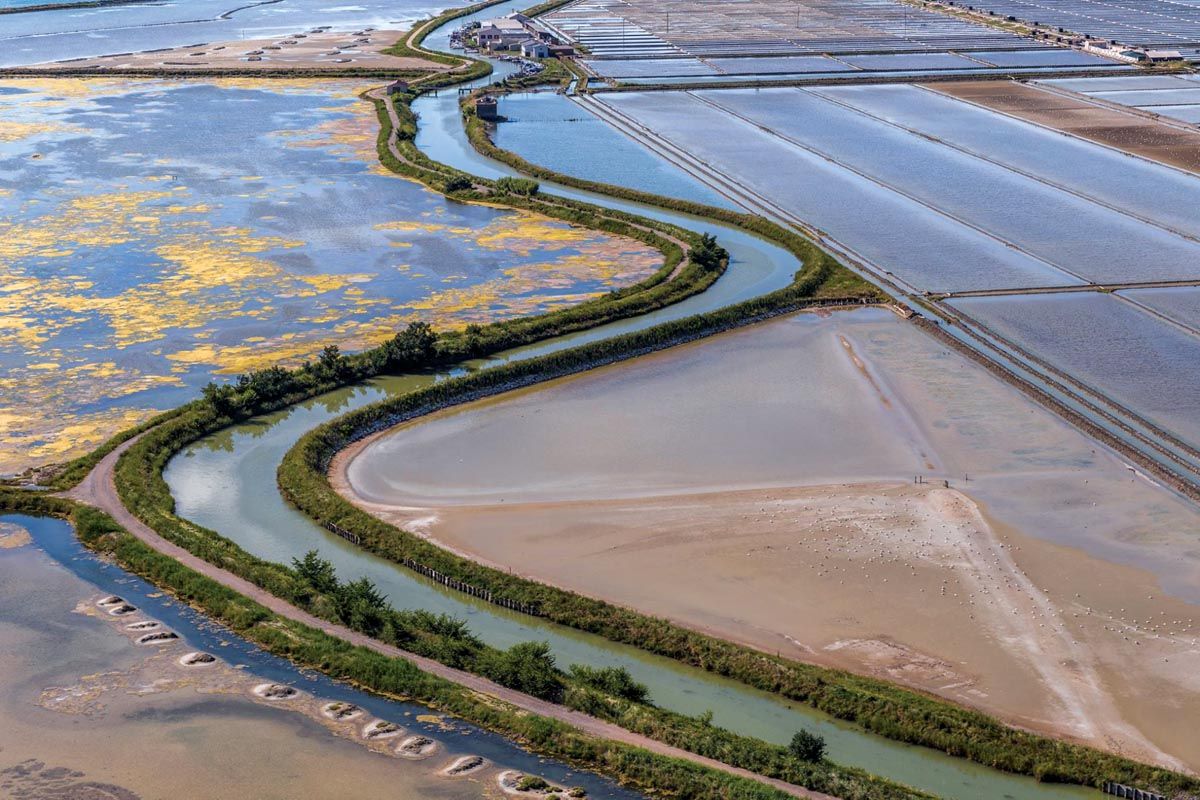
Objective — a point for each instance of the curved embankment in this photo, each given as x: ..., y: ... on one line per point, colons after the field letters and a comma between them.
x: 98, y: 490
x: 879, y: 707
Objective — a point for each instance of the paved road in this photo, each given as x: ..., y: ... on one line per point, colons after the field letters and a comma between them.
x: 99, y: 490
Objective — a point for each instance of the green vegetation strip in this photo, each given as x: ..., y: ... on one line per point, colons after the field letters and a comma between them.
x: 393, y: 678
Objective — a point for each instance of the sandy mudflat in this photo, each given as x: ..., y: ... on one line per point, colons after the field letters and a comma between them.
x: 310, y: 51
x: 764, y: 491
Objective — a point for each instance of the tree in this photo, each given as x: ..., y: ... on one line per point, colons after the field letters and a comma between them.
x: 527, y: 667
x: 413, y: 346
x: 807, y: 746
x: 331, y: 361
x: 615, y: 681
x: 708, y: 254
x: 522, y: 186
x: 361, y: 606
x: 456, y: 183
x: 316, y: 572
x: 220, y: 397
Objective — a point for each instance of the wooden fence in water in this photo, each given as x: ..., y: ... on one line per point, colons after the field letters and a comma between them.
x: 487, y: 595
x: 1121, y: 790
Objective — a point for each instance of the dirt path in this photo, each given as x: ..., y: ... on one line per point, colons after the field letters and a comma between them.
x: 99, y: 490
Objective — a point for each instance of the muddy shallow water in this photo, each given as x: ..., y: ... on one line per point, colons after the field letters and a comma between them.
x: 86, y: 711
x: 697, y: 484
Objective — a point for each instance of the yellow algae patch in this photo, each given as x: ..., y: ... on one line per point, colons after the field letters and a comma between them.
x: 11, y: 131
x: 27, y: 439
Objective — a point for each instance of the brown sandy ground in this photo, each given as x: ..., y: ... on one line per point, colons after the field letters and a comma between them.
x: 914, y: 583
x: 306, y: 50
x: 1129, y: 130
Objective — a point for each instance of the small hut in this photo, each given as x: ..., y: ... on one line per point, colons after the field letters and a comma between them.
x: 397, y: 87
x: 486, y: 108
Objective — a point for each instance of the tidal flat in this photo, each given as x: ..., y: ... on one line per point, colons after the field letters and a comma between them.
x: 155, y: 234
x: 87, y: 712
x: 937, y: 528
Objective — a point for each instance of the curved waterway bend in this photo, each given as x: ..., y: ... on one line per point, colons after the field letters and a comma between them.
x: 56, y: 539
x: 226, y: 482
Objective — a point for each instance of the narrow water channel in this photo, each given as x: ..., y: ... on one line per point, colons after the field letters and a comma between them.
x: 226, y: 482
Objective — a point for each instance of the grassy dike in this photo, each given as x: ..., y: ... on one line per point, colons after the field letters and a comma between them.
x: 394, y: 678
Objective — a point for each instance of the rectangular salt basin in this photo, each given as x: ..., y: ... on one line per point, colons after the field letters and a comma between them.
x: 1152, y: 191
x: 1181, y: 304
x: 1089, y: 85
x: 1079, y: 237
x: 650, y: 67
x: 779, y: 64
x: 881, y: 226
x: 541, y: 123
x: 910, y: 61
x: 1142, y: 362
x: 1181, y: 113
x: 1040, y: 58
x: 1153, y: 97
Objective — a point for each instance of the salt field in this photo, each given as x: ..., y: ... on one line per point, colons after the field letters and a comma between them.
x: 135, y: 268
x: 976, y: 479
x: 1021, y: 227
x: 643, y: 28
x: 1174, y: 23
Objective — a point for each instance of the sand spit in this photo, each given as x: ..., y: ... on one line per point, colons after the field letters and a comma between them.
x: 518, y: 784
x: 313, y: 50
x: 979, y: 584
x: 13, y: 536
x: 342, y: 712
x: 197, y: 659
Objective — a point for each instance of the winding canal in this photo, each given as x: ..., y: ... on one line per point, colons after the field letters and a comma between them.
x: 226, y: 482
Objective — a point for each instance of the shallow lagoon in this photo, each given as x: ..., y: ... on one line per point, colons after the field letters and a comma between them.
x: 39, y: 36
x: 253, y: 227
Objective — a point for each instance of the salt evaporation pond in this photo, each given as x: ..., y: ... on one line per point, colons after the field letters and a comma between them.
x: 938, y: 216
x: 156, y: 233
x: 1180, y: 304
x: 1142, y: 362
x: 882, y: 226
x: 1074, y: 234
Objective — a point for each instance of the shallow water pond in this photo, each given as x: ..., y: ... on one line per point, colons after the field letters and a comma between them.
x: 155, y: 233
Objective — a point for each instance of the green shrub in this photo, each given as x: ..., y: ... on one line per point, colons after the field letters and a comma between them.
x: 807, y: 746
